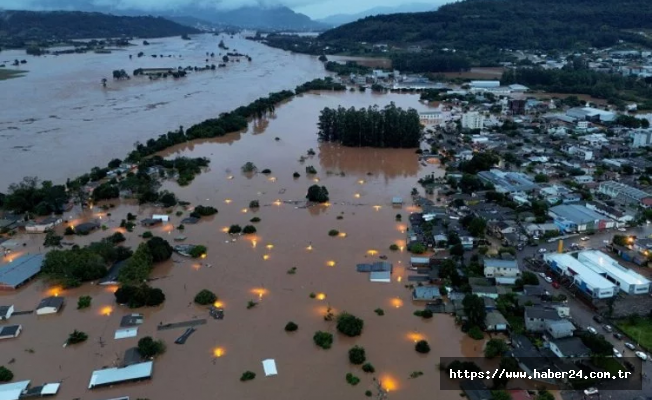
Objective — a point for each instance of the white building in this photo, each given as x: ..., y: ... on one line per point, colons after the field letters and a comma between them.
x: 641, y: 137
x: 504, y: 271
x: 472, y: 120
x: 584, y: 278
x: 616, y: 189
x: 579, y: 151
x: 431, y: 118
x: 485, y: 84
x: 627, y: 280
x: 49, y: 305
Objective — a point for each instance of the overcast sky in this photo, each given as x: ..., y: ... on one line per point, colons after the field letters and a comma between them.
x: 312, y: 8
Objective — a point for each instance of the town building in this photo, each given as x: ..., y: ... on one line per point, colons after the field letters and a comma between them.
x: 49, y: 305
x: 495, y: 321
x: 574, y: 218
x: 10, y: 331
x: 112, y: 376
x: 569, y: 347
x: 504, y: 271
x: 43, y: 225
x: 431, y: 118
x: 508, y: 182
x: 584, y: 278
x: 536, y: 318
x: 559, y: 329
x: 641, y: 137
x: 627, y: 280
x: 625, y: 192
x: 472, y: 120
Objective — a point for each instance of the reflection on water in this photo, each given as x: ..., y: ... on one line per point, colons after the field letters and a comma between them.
x: 390, y: 163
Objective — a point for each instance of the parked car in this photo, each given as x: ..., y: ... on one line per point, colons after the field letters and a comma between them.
x: 608, y: 328
x: 591, y: 391
x: 641, y: 355
x: 543, y: 275
x: 585, y: 238
x: 592, y: 330
x: 548, y: 279
x: 617, y: 353
x: 606, y: 241
x: 555, y: 285
x: 618, y: 336
x: 630, y: 346
x: 622, y: 230
x: 542, y: 250
x: 597, y: 319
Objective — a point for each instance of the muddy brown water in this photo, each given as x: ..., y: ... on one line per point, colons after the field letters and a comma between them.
x: 243, y: 268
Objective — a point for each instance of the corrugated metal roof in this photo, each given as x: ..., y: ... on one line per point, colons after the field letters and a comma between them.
x: 126, y: 333
x: 110, y: 376
x: 604, y: 263
x: 586, y: 274
x: 21, y: 270
x: 12, y: 391
x: 380, y: 276
x: 498, y: 263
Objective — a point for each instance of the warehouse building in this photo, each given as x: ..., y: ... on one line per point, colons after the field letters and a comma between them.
x: 20, y: 271
x: 586, y: 279
x: 626, y: 279
x: 577, y: 218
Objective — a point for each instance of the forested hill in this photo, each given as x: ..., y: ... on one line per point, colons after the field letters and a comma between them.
x: 18, y: 27
x: 516, y: 24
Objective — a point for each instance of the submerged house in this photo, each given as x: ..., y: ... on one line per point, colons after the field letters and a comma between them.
x: 49, y: 305
x: 112, y: 376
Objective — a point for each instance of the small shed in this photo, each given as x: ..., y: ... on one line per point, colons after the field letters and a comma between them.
x: 380, y: 276
x: 6, y: 312
x: 419, y: 261
x: 269, y: 366
x: 124, y: 333
x: 397, y: 201
x: 49, y: 305
x: 111, y: 277
x: 10, y: 332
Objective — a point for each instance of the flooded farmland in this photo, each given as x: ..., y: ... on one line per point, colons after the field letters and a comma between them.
x: 239, y: 269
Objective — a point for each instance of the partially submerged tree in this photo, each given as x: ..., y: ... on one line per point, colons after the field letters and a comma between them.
x: 349, y: 324
x: 205, y: 297
x: 77, y: 337
x: 148, y: 347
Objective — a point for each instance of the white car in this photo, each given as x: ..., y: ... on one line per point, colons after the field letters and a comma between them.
x: 548, y: 279
x: 592, y: 330
x: 641, y: 355
x: 541, y: 274
x: 542, y: 250
x: 617, y: 353
x: 622, y: 230
x: 630, y: 346
x: 606, y: 241
x: 590, y: 391
x: 585, y: 238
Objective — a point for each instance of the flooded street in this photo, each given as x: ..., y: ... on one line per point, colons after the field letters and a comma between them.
x: 58, y: 121
x: 361, y: 183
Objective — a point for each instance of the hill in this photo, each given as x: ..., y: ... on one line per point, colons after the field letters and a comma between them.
x: 341, y: 19
x: 515, y: 24
x: 21, y: 27
x: 269, y: 18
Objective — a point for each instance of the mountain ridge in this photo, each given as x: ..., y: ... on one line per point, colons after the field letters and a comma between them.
x: 341, y: 19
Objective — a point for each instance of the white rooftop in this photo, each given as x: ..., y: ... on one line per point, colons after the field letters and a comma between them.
x: 588, y: 275
x: 602, y: 263
x: 269, y: 366
x: 110, y: 376
x: 12, y: 391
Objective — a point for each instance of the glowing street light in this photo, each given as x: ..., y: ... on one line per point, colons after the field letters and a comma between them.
x: 228, y: 201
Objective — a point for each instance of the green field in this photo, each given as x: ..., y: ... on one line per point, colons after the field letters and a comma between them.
x: 640, y: 332
x: 10, y: 73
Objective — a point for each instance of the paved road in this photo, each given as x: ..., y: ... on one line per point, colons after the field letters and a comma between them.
x: 582, y: 315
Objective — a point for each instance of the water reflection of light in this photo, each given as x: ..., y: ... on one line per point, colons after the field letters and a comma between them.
x: 315, y: 180
x: 55, y: 291
x: 320, y: 296
x: 270, y: 246
x: 228, y: 201
x: 361, y: 181
x: 225, y: 229
x: 229, y: 177
x: 377, y: 208
x: 272, y: 179
x: 168, y: 228
x: 254, y: 242
x: 309, y: 248
x: 342, y: 234
x: 266, y: 257
x: 388, y: 383
x: 277, y: 203
x: 372, y: 252
x: 244, y: 210
x: 196, y: 266
x: 331, y: 263
x: 415, y: 336
x: 401, y: 228
x: 399, y: 279
x: 112, y: 288
x: 107, y: 310
x: 203, y: 255
x: 218, y: 304
x: 218, y: 352
x: 396, y: 302
x: 260, y: 292
x: 357, y: 195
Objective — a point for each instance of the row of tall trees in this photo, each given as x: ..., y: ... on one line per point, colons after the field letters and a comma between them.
x: 373, y: 127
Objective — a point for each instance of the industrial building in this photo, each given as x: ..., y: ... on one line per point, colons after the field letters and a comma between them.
x: 508, y: 182
x: 20, y: 271
x: 586, y: 279
x: 112, y: 376
x: 577, y: 218
x: 627, y: 280
x: 625, y: 192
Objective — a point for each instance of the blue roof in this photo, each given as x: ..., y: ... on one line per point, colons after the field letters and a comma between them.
x: 498, y: 263
x: 576, y: 213
x: 20, y: 270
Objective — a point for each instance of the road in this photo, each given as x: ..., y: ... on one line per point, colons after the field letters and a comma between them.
x: 582, y: 315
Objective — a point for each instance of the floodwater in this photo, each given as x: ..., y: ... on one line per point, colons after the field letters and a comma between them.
x: 58, y: 121
x: 238, y: 269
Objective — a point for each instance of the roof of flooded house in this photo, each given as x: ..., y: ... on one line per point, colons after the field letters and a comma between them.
x: 131, y: 320
x: 111, y: 276
x: 86, y: 227
x: 380, y: 276
x: 9, y: 330
x: 426, y: 292
x: 12, y: 391
x: 110, y: 376
x: 495, y: 318
x: 48, y: 389
x: 131, y: 357
x: 376, y: 266
x: 542, y: 313
x: 52, y: 301
x: 20, y: 270
x: 571, y: 346
x: 500, y: 263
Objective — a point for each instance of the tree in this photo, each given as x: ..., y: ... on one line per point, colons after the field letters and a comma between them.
x: 541, y: 178
x: 249, y: 167
x: 84, y: 302
x: 317, y: 194
x: 457, y: 250
x: 235, y: 229
x: 77, y: 337
x: 138, y: 267
x: 254, y: 204
x: 159, y: 248
x: 357, y: 355
x: 333, y: 232
x: 198, y: 251
x: 203, y: 211
x: 530, y: 278
x: 367, y: 367
x: 74, y: 266
x: 249, y: 230
x: 417, y: 248
x: 323, y: 339
x: 545, y: 395
x: 291, y: 327
x: 495, y: 348
x: 349, y: 324
x: 422, y: 347
x: 247, y: 375
x: 5, y: 374
x: 508, y: 364
x: 149, y: 348
x: 477, y: 227
x: 52, y: 239
x: 620, y: 240
x: 139, y: 296
x: 205, y: 297
x: 500, y: 395
x: 474, y: 309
